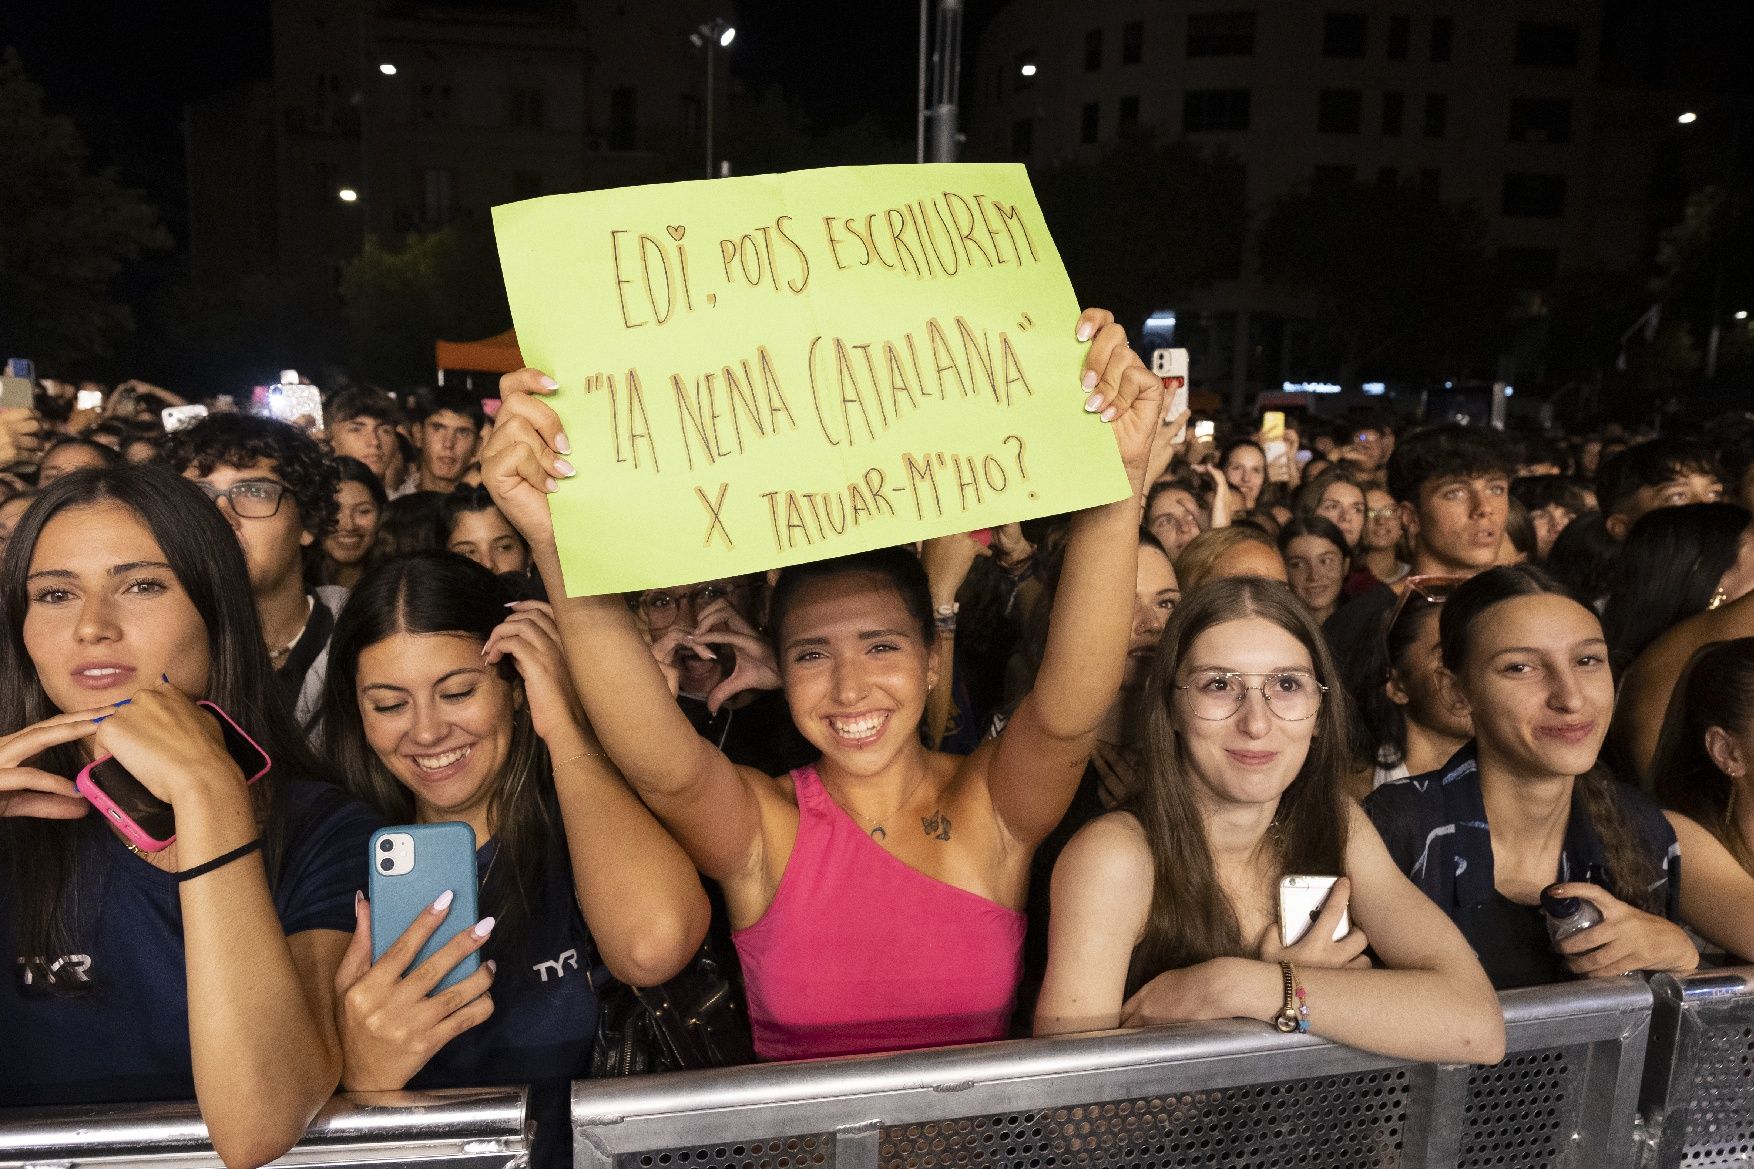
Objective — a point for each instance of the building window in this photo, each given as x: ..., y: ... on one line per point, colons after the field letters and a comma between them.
x: 1132, y: 42
x: 435, y: 207
x: 1529, y: 267
x: 1093, y: 50
x: 1090, y: 122
x: 1221, y: 34
x: 1328, y: 177
x: 1543, y: 45
x: 1394, y: 112
x: 1430, y: 182
x: 1022, y: 137
x: 1023, y: 71
x: 1531, y: 196
x: 1540, y: 119
x: 526, y: 106
x: 623, y: 118
x: 1436, y: 115
x: 1344, y: 34
x: 1340, y: 111
x: 1443, y: 35
x: 1215, y: 109
x: 1400, y: 36
x: 526, y: 184
x: 1127, y: 117
x: 1387, y: 176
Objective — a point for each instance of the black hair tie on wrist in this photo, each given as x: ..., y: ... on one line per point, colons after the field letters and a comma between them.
x: 220, y: 861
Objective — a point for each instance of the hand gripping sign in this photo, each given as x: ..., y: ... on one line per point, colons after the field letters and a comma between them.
x: 769, y: 370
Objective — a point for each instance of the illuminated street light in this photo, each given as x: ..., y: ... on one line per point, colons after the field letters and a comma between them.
x: 387, y: 69
x: 348, y: 195
x: 1028, y: 70
x: 1688, y: 118
x: 713, y: 33
x: 1743, y: 315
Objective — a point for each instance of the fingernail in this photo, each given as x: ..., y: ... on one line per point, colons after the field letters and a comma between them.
x: 552, y: 486
x: 1090, y: 379
x: 358, y: 899
x: 1083, y: 330
x: 100, y: 718
x: 124, y: 702
x: 511, y: 604
x: 492, y: 967
x: 483, y: 927
x: 443, y: 902
x: 164, y: 678
x: 547, y: 382
x: 564, y: 468
x: 1110, y: 414
x: 1093, y: 403
x: 561, y: 445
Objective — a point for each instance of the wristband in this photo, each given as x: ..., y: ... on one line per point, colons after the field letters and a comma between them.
x: 219, y: 861
x: 1293, y: 1013
x: 944, y: 617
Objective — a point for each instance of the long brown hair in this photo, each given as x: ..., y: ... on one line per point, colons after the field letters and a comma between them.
x: 1716, y: 690
x: 1632, y: 871
x: 1192, y: 918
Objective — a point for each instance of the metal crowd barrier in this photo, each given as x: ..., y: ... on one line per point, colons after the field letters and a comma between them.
x: 1615, y: 1075
x: 475, y: 1128
x: 1220, y: 1094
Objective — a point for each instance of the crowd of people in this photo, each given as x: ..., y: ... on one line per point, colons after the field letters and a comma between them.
x: 989, y: 785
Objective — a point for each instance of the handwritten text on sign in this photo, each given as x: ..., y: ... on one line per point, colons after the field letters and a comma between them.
x: 764, y: 371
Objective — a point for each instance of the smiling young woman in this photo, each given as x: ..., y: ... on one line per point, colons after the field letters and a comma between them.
x: 1524, y: 803
x: 877, y: 896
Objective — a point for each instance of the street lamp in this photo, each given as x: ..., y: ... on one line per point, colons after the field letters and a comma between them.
x: 347, y: 195
x: 1717, y: 284
x: 1688, y: 118
x: 387, y: 68
x: 1028, y: 70
x: 713, y: 34
x: 1743, y: 315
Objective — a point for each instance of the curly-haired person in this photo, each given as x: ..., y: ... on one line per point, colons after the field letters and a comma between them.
x: 276, y: 487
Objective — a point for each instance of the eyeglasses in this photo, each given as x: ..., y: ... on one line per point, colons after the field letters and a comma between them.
x: 660, y: 608
x: 1292, y: 695
x: 1380, y: 513
x: 252, y: 499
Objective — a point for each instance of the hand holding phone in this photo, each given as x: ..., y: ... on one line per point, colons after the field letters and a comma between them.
x: 1314, y: 921
x: 153, y: 744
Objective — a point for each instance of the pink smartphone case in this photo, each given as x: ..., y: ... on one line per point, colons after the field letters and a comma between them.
x: 137, y: 836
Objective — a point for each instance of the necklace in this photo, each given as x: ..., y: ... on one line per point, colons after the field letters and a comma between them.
x: 277, y: 656
x: 876, y: 831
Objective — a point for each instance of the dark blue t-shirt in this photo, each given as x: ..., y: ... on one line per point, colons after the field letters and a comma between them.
x: 544, y: 1008
x: 124, y: 1034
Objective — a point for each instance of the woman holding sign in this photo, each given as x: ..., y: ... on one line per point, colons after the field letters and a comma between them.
x: 876, y: 897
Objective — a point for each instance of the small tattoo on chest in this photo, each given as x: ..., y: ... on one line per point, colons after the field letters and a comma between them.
x: 937, y: 825
x: 877, y: 833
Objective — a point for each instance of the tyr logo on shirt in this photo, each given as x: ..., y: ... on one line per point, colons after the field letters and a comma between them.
x: 67, y: 972
x: 559, y: 964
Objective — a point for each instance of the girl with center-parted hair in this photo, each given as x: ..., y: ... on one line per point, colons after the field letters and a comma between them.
x: 206, y: 969
x: 1167, y: 910
x: 876, y: 896
x: 448, y: 701
x: 1705, y: 759
x: 1524, y: 804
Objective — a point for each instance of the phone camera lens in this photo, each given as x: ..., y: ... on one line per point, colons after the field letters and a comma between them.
x: 386, y: 864
x: 385, y: 846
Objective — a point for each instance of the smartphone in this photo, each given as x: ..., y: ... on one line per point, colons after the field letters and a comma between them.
x: 982, y: 536
x: 16, y: 393
x: 89, y: 400
x: 146, y: 820
x: 300, y: 405
x: 1272, y: 426
x: 1300, y: 903
x: 21, y: 367
x: 1173, y: 369
x: 177, y: 418
x: 1203, y: 431
x: 412, y: 864
x: 490, y: 407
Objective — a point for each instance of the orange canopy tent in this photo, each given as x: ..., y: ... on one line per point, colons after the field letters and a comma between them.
x: 494, y: 355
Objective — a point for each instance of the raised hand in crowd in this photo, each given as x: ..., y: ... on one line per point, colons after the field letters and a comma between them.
x: 719, y: 626
x: 21, y: 435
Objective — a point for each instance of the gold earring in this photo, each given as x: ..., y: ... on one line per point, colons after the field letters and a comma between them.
x: 1717, y: 598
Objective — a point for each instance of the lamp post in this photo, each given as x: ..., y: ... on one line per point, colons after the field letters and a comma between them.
x: 715, y: 34
x: 1712, y: 339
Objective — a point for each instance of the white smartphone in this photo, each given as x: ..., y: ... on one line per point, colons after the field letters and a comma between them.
x: 1203, y: 431
x: 1172, y: 366
x: 177, y: 418
x: 300, y: 405
x: 89, y: 400
x: 1300, y: 903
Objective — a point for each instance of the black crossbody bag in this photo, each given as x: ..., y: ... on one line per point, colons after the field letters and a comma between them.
x: 695, y: 1020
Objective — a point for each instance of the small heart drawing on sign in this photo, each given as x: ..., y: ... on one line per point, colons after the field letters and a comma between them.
x: 712, y: 300
x: 677, y: 231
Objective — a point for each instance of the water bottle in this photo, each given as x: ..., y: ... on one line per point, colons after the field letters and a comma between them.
x: 1567, y: 915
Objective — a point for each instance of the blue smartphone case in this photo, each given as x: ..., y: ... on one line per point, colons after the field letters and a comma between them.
x: 444, y: 858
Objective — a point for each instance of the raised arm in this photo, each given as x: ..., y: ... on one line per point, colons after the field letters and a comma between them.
x: 700, y: 795
x: 1033, y: 771
x: 639, y: 892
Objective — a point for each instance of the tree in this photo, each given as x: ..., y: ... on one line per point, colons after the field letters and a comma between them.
x: 1400, y: 282
x: 66, y: 232
x: 1145, y: 221
x: 445, y: 285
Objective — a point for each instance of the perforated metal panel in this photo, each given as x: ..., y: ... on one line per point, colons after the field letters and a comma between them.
x: 815, y: 1151
x: 1342, y: 1122
x: 1523, y: 1111
x: 1720, y: 1127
